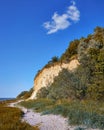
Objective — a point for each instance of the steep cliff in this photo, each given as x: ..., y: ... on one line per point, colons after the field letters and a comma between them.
x: 47, y: 75
x: 77, y: 74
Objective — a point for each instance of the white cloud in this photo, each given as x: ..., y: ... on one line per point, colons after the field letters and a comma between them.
x: 73, y: 12
x: 61, y: 22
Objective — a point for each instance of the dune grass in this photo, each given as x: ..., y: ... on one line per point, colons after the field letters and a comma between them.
x: 85, y: 113
x: 10, y: 118
x: 38, y: 105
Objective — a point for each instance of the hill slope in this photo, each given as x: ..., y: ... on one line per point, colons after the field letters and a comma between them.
x: 86, y: 81
x: 77, y: 74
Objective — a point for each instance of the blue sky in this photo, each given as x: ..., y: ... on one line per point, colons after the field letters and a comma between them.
x: 33, y: 31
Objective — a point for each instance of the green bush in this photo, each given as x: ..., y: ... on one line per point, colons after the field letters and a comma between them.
x: 80, y: 128
x: 43, y: 92
x: 38, y: 105
x: 25, y: 94
x: 70, y: 51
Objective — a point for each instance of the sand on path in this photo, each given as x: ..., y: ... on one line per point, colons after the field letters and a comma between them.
x: 44, y: 122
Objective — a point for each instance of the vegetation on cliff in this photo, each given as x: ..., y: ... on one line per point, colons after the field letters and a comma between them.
x: 87, y: 81
x: 25, y: 94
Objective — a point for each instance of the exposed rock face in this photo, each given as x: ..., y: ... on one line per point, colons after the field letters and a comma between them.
x: 46, y: 77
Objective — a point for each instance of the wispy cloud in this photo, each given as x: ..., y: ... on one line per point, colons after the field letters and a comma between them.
x: 73, y: 13
x: 61, y: 22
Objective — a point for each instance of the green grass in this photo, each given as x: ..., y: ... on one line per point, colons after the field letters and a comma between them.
x: 10, y: 118
x: 38, y: 105
x: 86, y: 113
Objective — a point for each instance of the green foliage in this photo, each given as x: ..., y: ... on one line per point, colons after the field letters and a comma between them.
x: 21, y: 95
x: 70, y: 51
x: 67, y: 85
x: 91, y: 57
x: 96, y: 88
x: 43, y: 92
x: 53, y: 60
x: 80, y: 128
x: 10, y: 119
x: 25, y: 94
x: 99, y: 36
x: 62, y: 86
x: 38, y: 105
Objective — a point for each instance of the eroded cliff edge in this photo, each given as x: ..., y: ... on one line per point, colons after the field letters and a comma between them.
x: 46, y: 76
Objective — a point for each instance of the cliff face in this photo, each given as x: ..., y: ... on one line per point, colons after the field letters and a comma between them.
x: 83, y: 82
x: 47, y: 75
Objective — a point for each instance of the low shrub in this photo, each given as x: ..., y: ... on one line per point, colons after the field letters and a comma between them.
x: 38, y: 105
x: 10, y: 119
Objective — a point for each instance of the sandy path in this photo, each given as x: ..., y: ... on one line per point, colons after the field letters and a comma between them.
x: 44, y: 122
